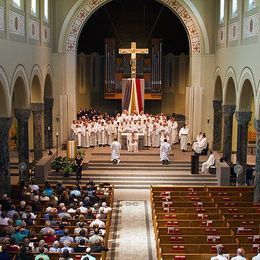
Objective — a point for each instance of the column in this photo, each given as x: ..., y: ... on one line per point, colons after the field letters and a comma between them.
x: 48, y: 105
x: 228, y: 112
x: 257, y: 163
x: 217, y: 130
x: 22, y: 116
x: 37, y: 109
x: 5, y: 182
x: 243, y: 119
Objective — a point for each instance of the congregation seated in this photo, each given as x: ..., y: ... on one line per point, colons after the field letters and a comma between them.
x: 54, y: 228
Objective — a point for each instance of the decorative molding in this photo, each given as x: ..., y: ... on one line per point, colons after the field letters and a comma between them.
x: 46, y: 34
x: 90, y: 6
x: 16, y: 23
x: 33, y: 30
x: 2, y: 19
x: 251, y: 26
x: 221, y: 35
x: 233, y: 31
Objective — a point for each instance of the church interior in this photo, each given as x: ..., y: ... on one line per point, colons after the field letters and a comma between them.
x: 129, y: 129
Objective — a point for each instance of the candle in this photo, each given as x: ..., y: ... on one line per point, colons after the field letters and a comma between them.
x: 49, y: 128
x: 57, y: 134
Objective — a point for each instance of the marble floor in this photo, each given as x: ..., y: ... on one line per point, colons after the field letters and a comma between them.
x: 132, y: 234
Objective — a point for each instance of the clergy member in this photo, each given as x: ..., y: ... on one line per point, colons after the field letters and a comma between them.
x: 201, y: 144
x: 115, y: 151
x: 165, y: 150
x: 210, y: 162
x: 183, y: 136
x: 133, y: 143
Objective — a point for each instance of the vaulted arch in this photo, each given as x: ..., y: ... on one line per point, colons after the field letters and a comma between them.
x: 218, y: 91
x: 5, y: 107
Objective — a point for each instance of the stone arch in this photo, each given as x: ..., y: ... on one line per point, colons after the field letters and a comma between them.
x: 184, y: 9
x: 257, y: 103
x: 230, y: 88
x: 5, y: 107
x: 36, y: 84
x: 20, y: 89
x: 246, y: 90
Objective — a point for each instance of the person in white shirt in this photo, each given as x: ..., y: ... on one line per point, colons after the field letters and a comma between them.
x: 115, y: 151
x: 239, y: 256
x: 165, y: 150
x: 210, y: 162
x: 257, y: 257
x: 219, y: 255
x: 198, y: 139
x: 98, y: 222
x: 183, y: 136
x: 173, y: 125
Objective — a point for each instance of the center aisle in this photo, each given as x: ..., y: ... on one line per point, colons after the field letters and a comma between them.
x: 132, y: 229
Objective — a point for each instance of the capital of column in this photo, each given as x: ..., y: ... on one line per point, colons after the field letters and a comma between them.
x: 257, y: 126
x: 228, y: 110
x: 243, y: 117
x: 22, y: 114
x: 48, y: 103
x: 5, y: 124
x: 217, y: 104
x: 37, y: 107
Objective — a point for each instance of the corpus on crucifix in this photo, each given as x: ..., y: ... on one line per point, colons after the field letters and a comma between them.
x: 133, y: 51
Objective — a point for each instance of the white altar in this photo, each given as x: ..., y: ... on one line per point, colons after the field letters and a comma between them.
x: 126, y: 137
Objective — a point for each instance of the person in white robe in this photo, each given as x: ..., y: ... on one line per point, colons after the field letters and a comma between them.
x: 121, y: 129
x: 239, y: 256
x: 147, y: 131
x: 219, y: 255
x: 201, y: 144
x: 198, y: 139
x: 163, y: 137
x: 111, y: 132
x: 156, y: 136
x: 165, y: 150
x: 78, y: 133
x: 133, y: 143
x: 115, y: 151
x: 87, y: 135
x: 183, y: 136
x: 174, y: 132
x: 73, y: 129
x: 93, y: 134
x: 101, y: 134
x: 210, y: 162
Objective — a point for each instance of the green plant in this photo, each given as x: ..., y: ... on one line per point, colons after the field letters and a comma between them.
x: 68, y: 170
x: 58, y: 164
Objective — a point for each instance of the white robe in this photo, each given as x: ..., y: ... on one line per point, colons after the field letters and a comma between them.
x: 174, y: 133
x: 165, y: 150
x: 200, y: 145
x: 78, y: 133
x: 206, y: 165
x: 183, y: 135
x: 115, y: 150
x: 111, y: 133
x: 133, y: 144
x: 147, y: 136
x: 121, y: 129
x: 156, y: 137
x: 101, y: 135
x: 86, y: 137
x: 93, y: 136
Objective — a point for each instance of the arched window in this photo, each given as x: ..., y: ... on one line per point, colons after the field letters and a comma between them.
x: 46, y: 10
x: 34, y: 7
x: 222, y: 11
x: 17, y: 4
x: 234, y: 8
x: 251, y: 4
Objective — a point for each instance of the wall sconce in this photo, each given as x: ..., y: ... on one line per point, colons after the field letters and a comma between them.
x: 57, y: 118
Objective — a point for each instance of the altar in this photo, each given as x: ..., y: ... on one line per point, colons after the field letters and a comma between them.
x: 125, y: 138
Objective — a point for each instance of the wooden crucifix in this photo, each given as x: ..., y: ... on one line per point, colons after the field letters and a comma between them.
x: 133, y: 51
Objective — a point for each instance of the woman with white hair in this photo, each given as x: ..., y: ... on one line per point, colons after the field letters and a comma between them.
x: 55, y: 247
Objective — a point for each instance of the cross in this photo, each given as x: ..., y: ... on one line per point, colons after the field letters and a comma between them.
x: 133, y: 51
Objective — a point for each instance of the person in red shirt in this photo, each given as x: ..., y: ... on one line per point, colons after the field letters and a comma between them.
x: 49, y: 238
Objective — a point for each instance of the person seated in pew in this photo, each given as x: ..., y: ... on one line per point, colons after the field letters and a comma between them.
x: 88, y: 256
x: 210, y: 162
x: 98, y: 247
x: 42, y: 255
x: 219, y: 255
x: 81, y: 236
x: 23, y: 254
x: 97, y: 221
x: 66, y: 246
x: 79, y: 228
x: 257, y: 257
x: 65, y: 255
x: 95, y: 236
x: 55, y: 247
x: 4, y: 255
x: 81, y: 248
x: 239, y: 256
x: 66, y: 237
x: 50, y: 237
x: 47, y: 228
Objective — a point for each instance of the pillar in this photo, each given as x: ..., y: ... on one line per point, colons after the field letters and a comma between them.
x: 257, y: 163
x: 217, y: 130
x: 37, y: 109
x: 5, y: 181
x: 48, y: 105
x: 243, y: 119
x: 228, y: 112
x: 22, y: 116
